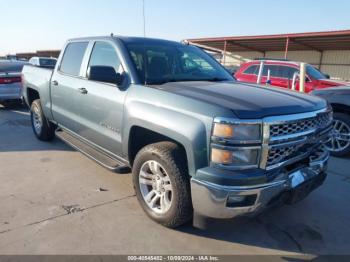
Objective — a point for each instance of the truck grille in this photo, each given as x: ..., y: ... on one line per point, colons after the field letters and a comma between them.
x: 322, y: 120
x: 289, y: 140
x: 277, y: 155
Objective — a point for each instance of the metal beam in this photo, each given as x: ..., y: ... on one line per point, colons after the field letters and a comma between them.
x: 306, y: 45
x: 246, y: 47
x: 212, y: 49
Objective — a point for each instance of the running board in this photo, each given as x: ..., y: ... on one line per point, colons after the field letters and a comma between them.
x: 93, y: 153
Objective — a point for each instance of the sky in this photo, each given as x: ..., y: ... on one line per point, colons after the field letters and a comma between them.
x: 29, y: 25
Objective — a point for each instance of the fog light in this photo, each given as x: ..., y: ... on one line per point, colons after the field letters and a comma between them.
x: 235, y: 199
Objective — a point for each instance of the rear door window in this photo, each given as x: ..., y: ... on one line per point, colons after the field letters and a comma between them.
x: 73, y: 57
x: 252, y: 70
x: 274, y: 70
x: 288, y: 72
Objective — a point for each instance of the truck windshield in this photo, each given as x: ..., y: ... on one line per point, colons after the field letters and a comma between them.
x: 314, y: 73
x: 162, y: 63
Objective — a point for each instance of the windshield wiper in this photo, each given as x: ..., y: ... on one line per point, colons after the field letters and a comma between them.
x: 161, y: 82
x: 215, y: 79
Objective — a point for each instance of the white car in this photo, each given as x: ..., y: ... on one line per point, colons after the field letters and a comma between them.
x: 46, y: 62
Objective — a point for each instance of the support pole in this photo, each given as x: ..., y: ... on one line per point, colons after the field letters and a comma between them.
x: 321, y: 60
x: 302, y: 77
x: 224, y: 54
x: 294, y: 82
x: 261, y: 68
x: 286, y: 50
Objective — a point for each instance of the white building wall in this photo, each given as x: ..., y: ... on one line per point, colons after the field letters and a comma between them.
x: 336, y: 63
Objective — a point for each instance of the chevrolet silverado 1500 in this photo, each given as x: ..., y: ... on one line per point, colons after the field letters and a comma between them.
x: 195, y: 139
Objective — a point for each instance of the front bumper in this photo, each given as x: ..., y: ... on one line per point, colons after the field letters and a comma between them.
x: 218, y: 201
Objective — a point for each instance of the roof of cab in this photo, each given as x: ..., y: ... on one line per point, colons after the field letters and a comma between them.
x: 127, y: 39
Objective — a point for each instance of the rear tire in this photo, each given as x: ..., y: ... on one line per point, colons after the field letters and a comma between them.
x: 160, y: 172
x: 42, y: 128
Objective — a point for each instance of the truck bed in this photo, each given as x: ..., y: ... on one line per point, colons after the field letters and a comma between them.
x: 37, y: 79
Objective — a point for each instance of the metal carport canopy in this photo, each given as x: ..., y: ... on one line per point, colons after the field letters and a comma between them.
x: 319, y: 41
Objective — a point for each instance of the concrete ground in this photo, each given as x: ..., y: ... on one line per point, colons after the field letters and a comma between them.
x: 54, y: 200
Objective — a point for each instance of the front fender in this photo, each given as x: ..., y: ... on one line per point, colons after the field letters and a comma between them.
x: 191, y: 132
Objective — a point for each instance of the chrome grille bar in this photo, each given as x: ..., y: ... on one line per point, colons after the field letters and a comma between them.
x: 284, y: 136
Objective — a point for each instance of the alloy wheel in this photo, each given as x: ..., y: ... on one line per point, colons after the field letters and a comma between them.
x: 339, y: 137
x: 37, y: 120
x: 155, y: 186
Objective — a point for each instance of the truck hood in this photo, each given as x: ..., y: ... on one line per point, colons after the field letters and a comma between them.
x: 245, y: 100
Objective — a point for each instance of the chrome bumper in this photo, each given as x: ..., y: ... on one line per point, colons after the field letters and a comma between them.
x: 217, y: 201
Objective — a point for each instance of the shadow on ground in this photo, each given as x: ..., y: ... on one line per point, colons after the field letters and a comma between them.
x: 15, y: 123
x: 261, y: 231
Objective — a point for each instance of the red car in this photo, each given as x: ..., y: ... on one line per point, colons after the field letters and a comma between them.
x: 281, y: 75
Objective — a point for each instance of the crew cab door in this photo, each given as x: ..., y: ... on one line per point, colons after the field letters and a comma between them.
x: 65, y: 81
x: 100, y: 107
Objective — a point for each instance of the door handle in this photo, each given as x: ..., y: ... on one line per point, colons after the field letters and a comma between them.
x: 83, y: 90
x: 55, y: 83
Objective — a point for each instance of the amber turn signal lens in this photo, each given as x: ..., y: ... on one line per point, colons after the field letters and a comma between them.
x: 223, y: 130
x: 221, y: 156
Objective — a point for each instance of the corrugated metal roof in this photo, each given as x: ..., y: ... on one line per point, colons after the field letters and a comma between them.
x: 331, y: 40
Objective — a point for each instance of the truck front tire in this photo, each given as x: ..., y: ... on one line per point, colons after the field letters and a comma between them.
x: 162, y: 185
x: 42, y: 128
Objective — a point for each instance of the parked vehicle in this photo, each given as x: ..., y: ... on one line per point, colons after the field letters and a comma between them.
x: 194, y: 137
x: 45, y: 62
x: 281, y: 74
x: 339, y: 98
x: 10, y: 81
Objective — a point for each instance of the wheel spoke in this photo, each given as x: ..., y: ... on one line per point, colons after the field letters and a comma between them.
x: 345, y: 136
x: 168, y: 187
x: 154, y: 201
x: 338, y: 144
x: 150, y: 196
x: 166, y: 179
x: 164, y: 203
x: 333, y: 144
x: 155, y: 168
x: 145, y: 181
x: 336, y: 123
x: 145, y: 174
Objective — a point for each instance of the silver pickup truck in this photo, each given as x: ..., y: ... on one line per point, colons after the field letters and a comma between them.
x: 197, y: 141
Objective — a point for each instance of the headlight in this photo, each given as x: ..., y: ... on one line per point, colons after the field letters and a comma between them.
x: 241, y: 132
x: 236, y: 157
x: 236, y: 144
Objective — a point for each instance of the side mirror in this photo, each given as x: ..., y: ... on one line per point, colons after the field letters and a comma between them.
x: 106, y: 74
x: 327, y: 76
